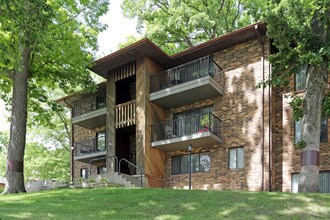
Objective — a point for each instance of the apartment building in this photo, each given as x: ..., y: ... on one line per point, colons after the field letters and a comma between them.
x: 154, y: 112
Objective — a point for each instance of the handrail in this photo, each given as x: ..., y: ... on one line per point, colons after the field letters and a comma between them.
x: 125, y: 114
x: 90, y: 163
x: 204, y: 66
x: 215, y: 116
x: 123, y: 159
x: 125, y: 103
x: 180, y: 127
x: 87, y: 145
x: 101, y: 158
x: 79, y: 110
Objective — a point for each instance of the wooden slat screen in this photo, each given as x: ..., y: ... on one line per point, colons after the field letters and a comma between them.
x: 125, y: 71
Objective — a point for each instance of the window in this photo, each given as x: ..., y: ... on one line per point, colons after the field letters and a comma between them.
x: 193, y: 121
x: 301, y: 78
x: 323, y: 134
x: 100, y: 101
x: 100, y: 136
x: 101, y: 169
x: 236, y: 158
x: 199, y: 163
x: 324, y: 182
x: 84, y: 173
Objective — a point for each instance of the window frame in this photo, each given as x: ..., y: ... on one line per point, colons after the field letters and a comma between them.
x: 98, y: 138
x: 324, y: 181
x: 236, y: 154
x: 101, y: 168
x: 180, y: 161
x: 301, y: 77
x: 86, y: 173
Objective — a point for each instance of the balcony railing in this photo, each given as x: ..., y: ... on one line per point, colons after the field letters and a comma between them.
x: 184, y: 73
x: 206, y: 122
x: 125, y: 114
x: 89, y: 104
x: 88, y: 146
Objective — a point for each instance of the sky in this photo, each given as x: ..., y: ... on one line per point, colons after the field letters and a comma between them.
x: 118, y: 28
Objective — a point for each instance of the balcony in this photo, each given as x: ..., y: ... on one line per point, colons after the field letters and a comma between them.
x: 185, y: 84
x: 90, y: 149
x: 90, y: 112
x: 125, y: 114
x: 199, y: 130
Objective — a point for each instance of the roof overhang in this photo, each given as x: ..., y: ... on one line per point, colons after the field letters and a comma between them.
x: 145, y: 48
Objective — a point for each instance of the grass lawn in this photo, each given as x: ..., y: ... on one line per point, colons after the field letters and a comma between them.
x: 123, y: 203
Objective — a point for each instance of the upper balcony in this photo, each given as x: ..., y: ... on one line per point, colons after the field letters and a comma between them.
x: 90, y: 112
x: 185, y: 84
x: 199, y: 130
x: 89, y: 149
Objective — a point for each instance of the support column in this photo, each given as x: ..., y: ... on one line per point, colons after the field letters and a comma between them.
x: 110, y: 123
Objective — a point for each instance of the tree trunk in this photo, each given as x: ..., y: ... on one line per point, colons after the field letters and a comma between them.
x: 311, y: 127
x: 15, y: 156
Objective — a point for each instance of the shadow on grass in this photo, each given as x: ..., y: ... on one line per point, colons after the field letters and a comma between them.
x: 121, y: 203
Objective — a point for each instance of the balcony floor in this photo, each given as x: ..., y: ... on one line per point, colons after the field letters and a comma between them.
x: 87, y: 157
x: 187, y: 93
x: 91, y: 120
x: 181, y: 143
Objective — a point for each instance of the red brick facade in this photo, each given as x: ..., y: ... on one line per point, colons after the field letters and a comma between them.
x: 257, y: 119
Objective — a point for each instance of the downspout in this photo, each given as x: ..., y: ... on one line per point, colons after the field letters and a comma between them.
x: 261, y: 43
x: 72, y: 147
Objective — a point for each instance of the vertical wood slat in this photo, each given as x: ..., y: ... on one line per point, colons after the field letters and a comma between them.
x: 125, y: 114
x: 125, y: 71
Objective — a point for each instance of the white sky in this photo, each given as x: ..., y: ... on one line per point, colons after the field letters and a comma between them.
x: 118, y: 28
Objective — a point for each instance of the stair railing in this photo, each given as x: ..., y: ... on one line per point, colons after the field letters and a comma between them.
x: 90, y: 163
x: 130, y: 163
x: 101, y: 158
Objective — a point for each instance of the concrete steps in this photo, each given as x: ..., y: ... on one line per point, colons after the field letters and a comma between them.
x: 116, y: 178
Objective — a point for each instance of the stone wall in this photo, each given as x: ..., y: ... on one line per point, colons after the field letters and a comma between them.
x: 241, y: 112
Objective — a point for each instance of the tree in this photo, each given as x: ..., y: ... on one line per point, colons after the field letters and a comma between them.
x: 300, y: 32
x: 44, y: 163
x: 47, y: 44
x: 175, y: 25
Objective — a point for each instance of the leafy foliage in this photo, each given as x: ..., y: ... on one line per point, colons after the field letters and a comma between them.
x: 175, y: 25
x: 290, y: 26
x: 41, y: 162
x: 297, y: 107
x: 44, y: 163
x: 61, y: 36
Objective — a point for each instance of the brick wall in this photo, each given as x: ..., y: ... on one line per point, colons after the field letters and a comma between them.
x: 81, y: 134
x: 240, y: 109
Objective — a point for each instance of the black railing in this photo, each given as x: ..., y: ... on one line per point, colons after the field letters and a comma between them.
x: 206, y: 122
x: 89, y: 104
x: 184, y: 73
x: 88, y: 146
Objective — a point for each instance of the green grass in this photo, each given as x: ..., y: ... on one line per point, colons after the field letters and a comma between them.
x: 121, y: 203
